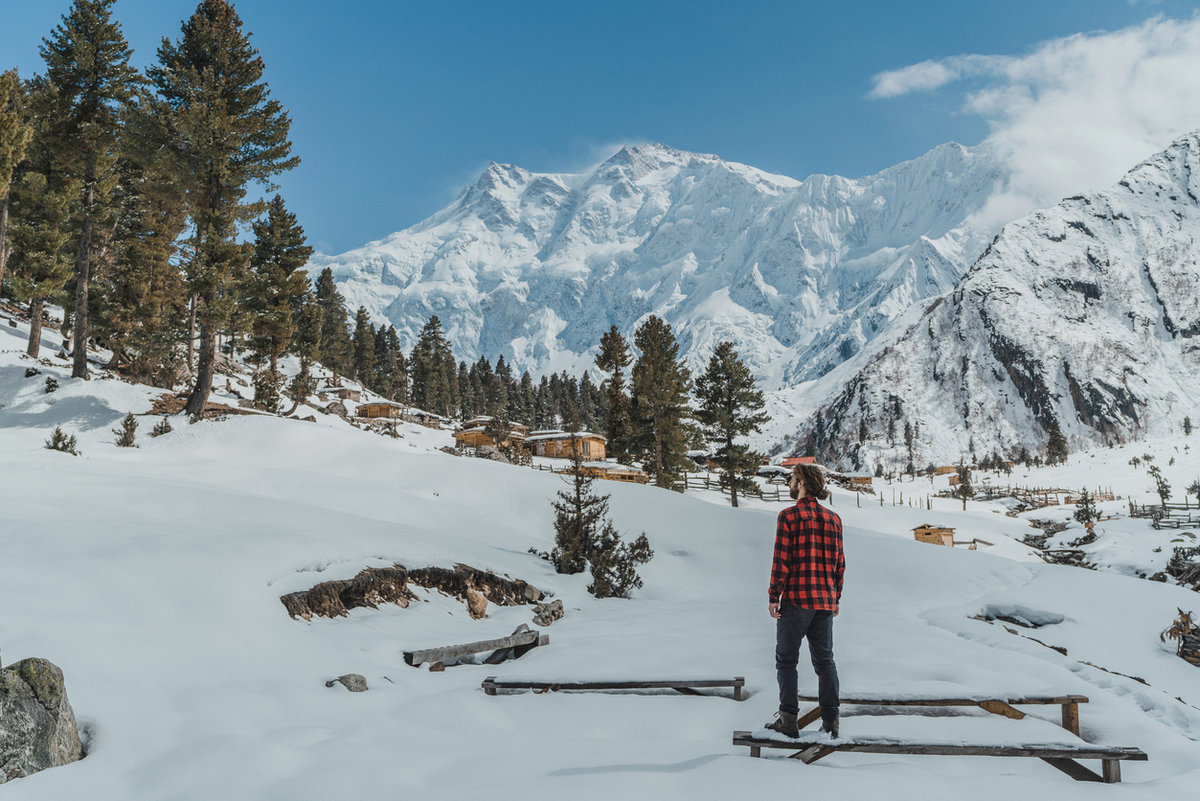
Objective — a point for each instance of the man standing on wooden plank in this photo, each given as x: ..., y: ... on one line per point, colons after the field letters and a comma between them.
x: 806, y: 585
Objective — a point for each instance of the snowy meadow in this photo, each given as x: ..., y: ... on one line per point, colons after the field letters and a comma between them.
x: 153, y: 576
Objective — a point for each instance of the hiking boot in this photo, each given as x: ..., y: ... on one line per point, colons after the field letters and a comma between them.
x: 785, y: 724
x: 830, y: 727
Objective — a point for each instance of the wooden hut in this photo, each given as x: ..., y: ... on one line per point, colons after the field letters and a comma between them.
x: 384, y: 409
x: 945, y: 470
x: 558, y: 444
x: 791, y: 461
x: 474, y: 434
x: 938, y: 535
x: 611, y: 472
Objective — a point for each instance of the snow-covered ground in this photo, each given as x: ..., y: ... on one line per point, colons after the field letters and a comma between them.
x: 152, y: 576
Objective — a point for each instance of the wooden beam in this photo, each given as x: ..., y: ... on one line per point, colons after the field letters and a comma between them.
x: 1003, y: 708
x: 448, y: 652
x: 1073, y: 769
x: 1070, y: 717
x: 808, y: 717
x: 873, y: 700
x: 1112, y: 770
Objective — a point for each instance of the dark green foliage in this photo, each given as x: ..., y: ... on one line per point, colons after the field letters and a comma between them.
x: 579, y: 517
x: 660, y: 402
x: 51, y: 384
x: 1056, y: 444
x: 730, y: 409
x: 964, y: 490
x: 1086, y: 513
x: 862, y: 430
x: 268, y: 390
x: 614, y: 564
x: 363, y: 343
x: 91, y: 81
x: 217, y: 119
x: 59, y: 441
x: 433, y: 371
x: 127, y: 432
x: 614, y: 359
x: 15, y: 133
x: 276, y: 285
x: 1194, y: 489
x: 40, y: 262
x: 1187, y: 426
x: 1161, y: 487
x: 335, y: 351
x: 163, y: 426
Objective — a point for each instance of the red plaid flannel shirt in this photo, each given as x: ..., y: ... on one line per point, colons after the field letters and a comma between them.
x: 808, y: 565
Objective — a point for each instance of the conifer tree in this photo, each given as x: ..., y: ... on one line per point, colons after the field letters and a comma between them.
x: 1056, y: 445
x: 1187, y: 421
x: 276, y: 283
x: 964, y: 490
x: 88, y: 69
x: 1161, y: 487
x: 730, y: 409
x: 127, y: 433
x: 335, y: 347
x: 363, y: 341
x: 579, y: 514
x: 1194, y: 489
x: 306, y: 343
x: 613, y: 359
x: 217, y: 118
x: 660, y: 391
x: 39, y: 233
x: 433, y: 379
x: 15, y: 133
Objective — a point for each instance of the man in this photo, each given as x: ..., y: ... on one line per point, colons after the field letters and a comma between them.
x: 806, y: 585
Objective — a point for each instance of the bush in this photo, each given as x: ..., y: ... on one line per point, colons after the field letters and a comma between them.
x: 127, y: 432
x: 59, y: 441
x: 51, y: 384
x: 163, y: 426
x: 614, y: 564
x: 30, y: 372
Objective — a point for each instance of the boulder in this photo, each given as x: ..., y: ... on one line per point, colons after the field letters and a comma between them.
x: 547, y: 613
x: 477, y: 604
x: 354, y: 682
x: 37, y: 724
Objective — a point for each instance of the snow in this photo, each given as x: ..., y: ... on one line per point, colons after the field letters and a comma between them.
x: 152, y: 576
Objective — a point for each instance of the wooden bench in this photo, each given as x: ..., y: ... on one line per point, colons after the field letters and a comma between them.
x: 810, y: 747
x: 997, y: 705
x: 491, y: 685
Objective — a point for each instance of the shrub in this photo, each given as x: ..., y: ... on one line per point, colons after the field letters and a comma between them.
x: 59, y: 441
x: 127, y: 432
x: 163, y: 426
x: 614, y: 564
x: 51, y: 384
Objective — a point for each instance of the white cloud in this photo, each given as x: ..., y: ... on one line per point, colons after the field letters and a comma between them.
x: 1076, y: 113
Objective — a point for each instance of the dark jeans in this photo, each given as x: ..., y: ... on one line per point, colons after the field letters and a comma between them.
x: 791, y: 628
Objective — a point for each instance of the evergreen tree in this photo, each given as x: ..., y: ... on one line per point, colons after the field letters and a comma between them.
x: 862, y: 429
x: 730, y: 409
x: 276, y: 284
x: 39, y: 233
x: 88, y: 70
x: 528, y: 400
x: 335, y: 348
x: 306, y: 342
x: 1086, y: 513
x: 218, y: 120
x: 1056, y: 445
x: 613, y: 359
x: 1194, y: 489
x: 127, y: 433
x: 1187, y: 421
x: 660, y: 390
x: 15, y: 133
x: 434, y: 379
x: 1161, y: 487
x: 614, y: 563
x: 363, y: 340
x: 579, y: 514
x: 964, y: 490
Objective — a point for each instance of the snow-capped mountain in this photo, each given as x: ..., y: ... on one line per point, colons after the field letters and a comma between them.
x: 800, y: 275
x: 1087, y: 313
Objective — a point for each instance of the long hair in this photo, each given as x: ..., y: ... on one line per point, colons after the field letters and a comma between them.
x: 813, y: 480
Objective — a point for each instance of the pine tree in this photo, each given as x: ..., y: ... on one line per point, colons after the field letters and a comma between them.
x: 614, y: 563
x: 1161, y: 487
x: 579, y: 515
x: 1194, y: 489
x: 1056, y: 445
x: 1086, y: 513
x: 306, y: 342
x: 42, y: 266
x: 335, y: 348
x: 1187, y: 426
x: 276, y: 283
x: 964, y: 490
x: 730, y: 409
x: 363, y: 340
x: 660, y: 391
x: 15, y: 133
x: 88, y: 69
x: 127, y: 432
x: 434, y: 379
x: 61, y: 441
x: 613, y: 359
x: 218, y: 120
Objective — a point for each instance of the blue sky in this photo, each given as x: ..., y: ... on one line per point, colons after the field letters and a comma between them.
x: 396, y: 105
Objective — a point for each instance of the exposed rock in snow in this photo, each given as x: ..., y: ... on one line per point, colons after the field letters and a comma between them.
x: 37, y: 724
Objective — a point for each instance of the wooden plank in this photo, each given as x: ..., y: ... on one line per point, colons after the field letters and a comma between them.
x: 808, y: 717
x: 872, y: 700
x: 1058, y: 750
x: 680, y: 685
x: 1073, y: 769
x: 1002, y: 708
x: 811, y: 755
x: 1112, y: 770
x: 1070, y: 717
x: 445, y: 653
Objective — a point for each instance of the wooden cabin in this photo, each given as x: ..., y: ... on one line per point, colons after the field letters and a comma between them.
x: 384, y: 409
x: 945, y: 470
x: 953, y: 480
x: 791, y: 461
x: 345, y: 393
x: 615, y: 472
x: 864, y: 480
x: 938, y: 535
x: 558, y: 444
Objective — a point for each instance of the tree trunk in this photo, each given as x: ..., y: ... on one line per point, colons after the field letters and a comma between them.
x: 205, y: 370
x: 35, y: 328
x: 3, y: 240
x: 191, y: 338
x: 83, y: 265
x: 115, y: 361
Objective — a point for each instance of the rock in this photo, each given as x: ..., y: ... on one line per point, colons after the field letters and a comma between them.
x: 477, y: 604
x: 488, y: 452
x: 37, y: 724
x: 353, y: 682
x: 545, y: 614
x: 437, y: 667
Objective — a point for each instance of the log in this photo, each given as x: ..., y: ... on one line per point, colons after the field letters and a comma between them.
x: 520, y: 640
